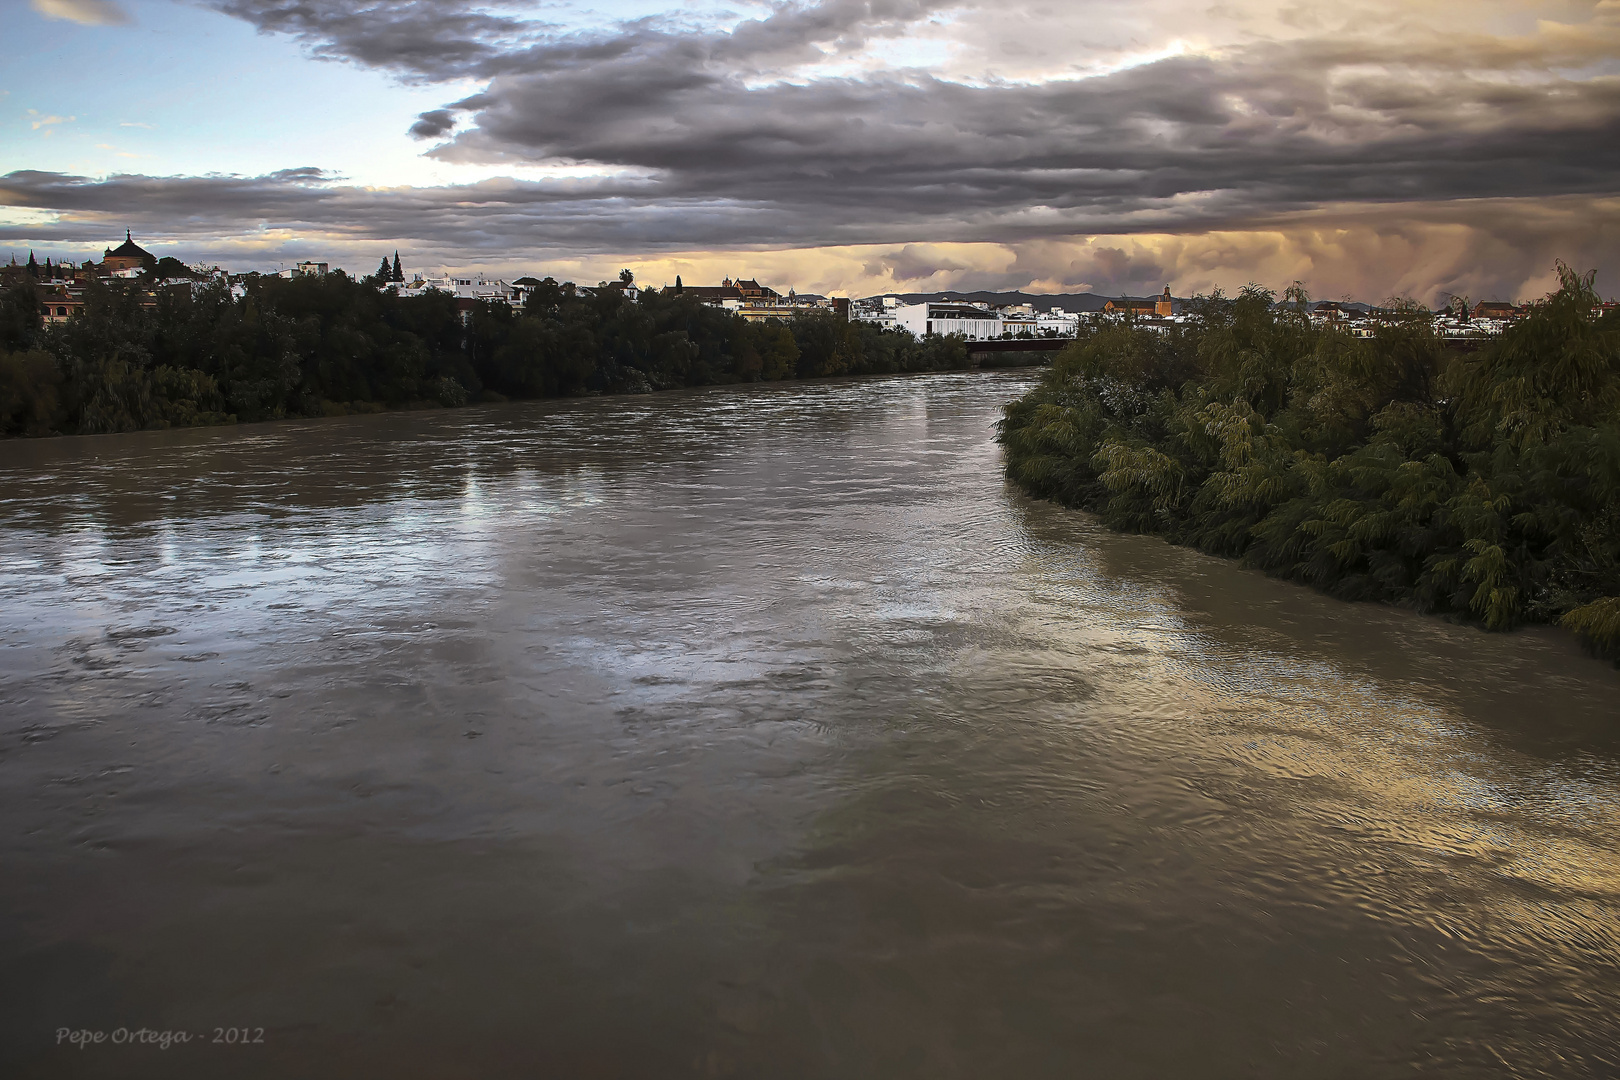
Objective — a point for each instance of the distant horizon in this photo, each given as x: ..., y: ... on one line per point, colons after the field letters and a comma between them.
x: 510, y: 272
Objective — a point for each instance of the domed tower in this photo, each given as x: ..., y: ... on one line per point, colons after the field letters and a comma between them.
x: 127, y: 256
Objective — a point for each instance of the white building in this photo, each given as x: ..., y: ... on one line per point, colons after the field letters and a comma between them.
x: 1057, y: 321
x: 1018, y: 319
x: 976, y: 322
x: 878, y: 310
x: 477, y: 288
x: 462, y: 288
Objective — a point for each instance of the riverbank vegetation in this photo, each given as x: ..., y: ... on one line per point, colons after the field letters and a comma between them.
x: 1485, y: 484
x: 315, y: 346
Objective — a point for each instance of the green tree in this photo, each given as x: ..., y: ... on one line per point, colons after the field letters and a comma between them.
x: 1485, y: 484
x: 20, y: 316
x: 168, y: 267
x: 29, y: 399
x: 777, y: 351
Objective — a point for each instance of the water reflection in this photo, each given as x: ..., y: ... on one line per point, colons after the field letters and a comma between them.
x: 757, y: 732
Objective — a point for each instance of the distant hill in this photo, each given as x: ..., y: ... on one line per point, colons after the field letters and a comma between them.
x: 1349, y: 305
x: 1066, y: 301
x: 1040, y: 301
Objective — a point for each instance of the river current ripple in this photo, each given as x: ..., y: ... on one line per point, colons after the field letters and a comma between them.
x: 756, y: 732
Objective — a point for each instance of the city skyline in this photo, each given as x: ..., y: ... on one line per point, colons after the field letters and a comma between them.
x: 854, y: 148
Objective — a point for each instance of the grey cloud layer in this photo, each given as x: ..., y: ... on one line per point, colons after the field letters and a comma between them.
x: 437, y: 40
x: 718, y: 119
x: 423, y: 39
x: 490, y: 218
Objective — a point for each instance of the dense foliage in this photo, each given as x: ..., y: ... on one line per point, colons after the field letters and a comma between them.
x: 310, y: 346
x: 1484, y: 484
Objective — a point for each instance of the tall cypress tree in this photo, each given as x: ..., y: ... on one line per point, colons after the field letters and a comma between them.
x: 399, y: 275
x: 33, y: 266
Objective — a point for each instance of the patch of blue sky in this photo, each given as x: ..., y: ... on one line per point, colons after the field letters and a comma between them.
x: 183, y: 90
x: 718, y: 14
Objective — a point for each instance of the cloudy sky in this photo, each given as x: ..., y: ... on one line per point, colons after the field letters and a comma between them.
x: 1375, y: 148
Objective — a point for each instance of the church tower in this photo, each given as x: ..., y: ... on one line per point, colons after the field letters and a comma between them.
x: 1165, y: 307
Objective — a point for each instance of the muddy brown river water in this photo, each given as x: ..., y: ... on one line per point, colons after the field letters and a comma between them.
x: 760, y: 732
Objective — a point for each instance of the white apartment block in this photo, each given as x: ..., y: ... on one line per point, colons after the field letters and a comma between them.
x: 975, y: 322
x: 875, y: 309
x: 462, y: 288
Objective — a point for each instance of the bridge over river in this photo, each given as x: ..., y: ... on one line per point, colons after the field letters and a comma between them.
x: 1016, y: 352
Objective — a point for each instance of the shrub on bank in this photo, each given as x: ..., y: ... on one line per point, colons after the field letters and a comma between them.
x: 1387, y: 468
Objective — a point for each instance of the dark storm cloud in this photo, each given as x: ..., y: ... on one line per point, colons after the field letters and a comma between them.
x: 1168, y: 139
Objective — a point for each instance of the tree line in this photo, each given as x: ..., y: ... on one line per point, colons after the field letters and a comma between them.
x: 1483, y: 484
x: 313, y: 346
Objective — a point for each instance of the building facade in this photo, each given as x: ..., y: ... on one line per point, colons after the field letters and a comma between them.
x: 126, y: 257
x: 975, y: 322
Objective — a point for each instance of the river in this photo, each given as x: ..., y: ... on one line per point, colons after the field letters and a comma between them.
x: 755, y: 732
